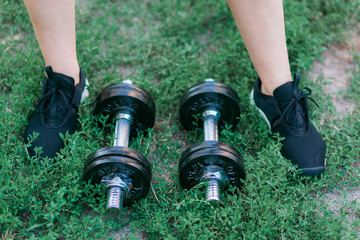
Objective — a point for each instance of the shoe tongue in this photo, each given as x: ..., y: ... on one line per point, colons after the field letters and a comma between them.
x: 59, y: 102
x: 58, y: 79
x: 284, y: 94
x: 285, y: 91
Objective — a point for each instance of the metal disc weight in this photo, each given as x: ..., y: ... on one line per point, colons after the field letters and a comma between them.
x: 120, y: 160
x: 130, y: 99
x: 207, y: 153
x: 209, y: 95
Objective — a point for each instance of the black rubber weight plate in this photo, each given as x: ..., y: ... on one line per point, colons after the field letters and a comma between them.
x: 207, y: 153
x: 210, y: 95
x: 120, y: 160
x: 130, y: 99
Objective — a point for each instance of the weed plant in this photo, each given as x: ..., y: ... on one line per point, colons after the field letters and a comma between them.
x: 166, y: 47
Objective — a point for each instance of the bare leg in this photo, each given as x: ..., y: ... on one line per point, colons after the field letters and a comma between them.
x: 54, y: 25
x: 261, y: 25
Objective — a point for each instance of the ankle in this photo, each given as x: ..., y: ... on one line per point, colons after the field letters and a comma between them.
x: 74, y: 73
x: 268, y: 87
x: 70, y: 71
x: 267, y: 91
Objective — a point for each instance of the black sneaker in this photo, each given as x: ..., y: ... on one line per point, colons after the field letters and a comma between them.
x: 287, y: 113
x: 55, y: 113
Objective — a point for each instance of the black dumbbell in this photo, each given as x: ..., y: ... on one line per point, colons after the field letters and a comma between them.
x: 124, y: 173
x: 210, y: 105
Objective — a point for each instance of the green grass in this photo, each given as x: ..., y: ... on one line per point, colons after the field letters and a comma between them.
x: 166, y: 47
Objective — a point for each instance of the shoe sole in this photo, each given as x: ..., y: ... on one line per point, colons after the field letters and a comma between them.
x: 311, y: 172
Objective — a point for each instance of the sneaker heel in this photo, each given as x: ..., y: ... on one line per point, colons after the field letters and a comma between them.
x: 261, y: 113
x: 85, y: 93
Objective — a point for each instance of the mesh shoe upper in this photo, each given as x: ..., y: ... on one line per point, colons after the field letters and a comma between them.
x: 55, y: 113
x: 287, y: 113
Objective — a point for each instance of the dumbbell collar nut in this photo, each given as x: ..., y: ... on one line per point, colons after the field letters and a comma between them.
x: 215, y: 173
x: 116, y: 182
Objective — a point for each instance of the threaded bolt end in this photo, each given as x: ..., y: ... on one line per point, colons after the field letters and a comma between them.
x: 213, y: 190
x: 115, y: 200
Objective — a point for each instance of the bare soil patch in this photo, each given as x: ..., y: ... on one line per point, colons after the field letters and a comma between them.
x: 334, y: 73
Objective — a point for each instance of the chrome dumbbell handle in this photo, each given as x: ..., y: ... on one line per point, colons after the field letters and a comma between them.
x: 210, y: 118
x: 122, y: 130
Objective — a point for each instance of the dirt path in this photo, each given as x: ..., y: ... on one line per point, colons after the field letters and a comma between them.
x: 335, y: 71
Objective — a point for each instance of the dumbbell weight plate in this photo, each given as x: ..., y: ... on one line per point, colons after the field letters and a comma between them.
x: 121, y: 160
x: 209, y: 95
x: 207, y: 153
x: 130, y: 99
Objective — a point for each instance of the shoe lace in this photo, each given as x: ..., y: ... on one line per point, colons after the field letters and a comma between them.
x: 46, y: 105
x: 297, y: 102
